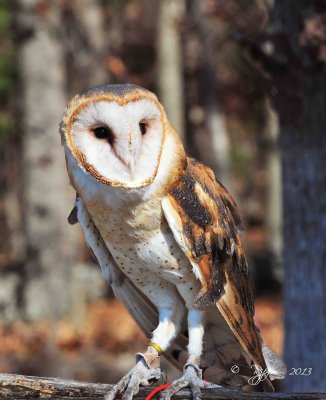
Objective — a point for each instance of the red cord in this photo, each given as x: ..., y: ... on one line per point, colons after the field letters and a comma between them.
x: 160, y: 388
x: 156, y: 390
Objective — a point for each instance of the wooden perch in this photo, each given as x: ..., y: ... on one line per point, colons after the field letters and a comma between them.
x: 33, y: 387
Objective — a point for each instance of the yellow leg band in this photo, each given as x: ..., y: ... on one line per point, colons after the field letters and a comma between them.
x: 156, y: 346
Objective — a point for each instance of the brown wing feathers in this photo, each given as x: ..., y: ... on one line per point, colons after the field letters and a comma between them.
x: 210, y: 231
x: 210, y: 224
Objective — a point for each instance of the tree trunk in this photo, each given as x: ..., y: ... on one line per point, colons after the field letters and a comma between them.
x: 297, y: 55
x: 169, y: 65
x: 47, y: 197
x: 274, y: 193
x: 304, y: 183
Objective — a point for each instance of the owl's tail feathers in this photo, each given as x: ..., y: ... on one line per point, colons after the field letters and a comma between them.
x: 276, y: 367
x: 225, y: 362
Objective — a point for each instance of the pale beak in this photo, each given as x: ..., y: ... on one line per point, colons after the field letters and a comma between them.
x: 133, y: 148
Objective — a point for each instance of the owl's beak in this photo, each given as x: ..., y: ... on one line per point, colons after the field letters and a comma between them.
x: 132, y: 153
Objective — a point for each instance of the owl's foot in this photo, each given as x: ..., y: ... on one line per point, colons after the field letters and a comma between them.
x: 145, y: 372
x: 191, y: 378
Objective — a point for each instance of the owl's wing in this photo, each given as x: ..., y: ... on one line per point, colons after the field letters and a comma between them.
x: 139, y: 306
x: 206, y: 224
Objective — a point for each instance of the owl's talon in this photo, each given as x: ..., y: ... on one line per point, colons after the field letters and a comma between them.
x: 142, y: 374
x: 191, y: 378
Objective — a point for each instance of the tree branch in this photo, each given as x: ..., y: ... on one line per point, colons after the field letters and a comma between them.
x: 32, y: 387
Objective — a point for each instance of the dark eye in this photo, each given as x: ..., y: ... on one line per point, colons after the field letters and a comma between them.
x: 143, y: 128
x: 103, y: 132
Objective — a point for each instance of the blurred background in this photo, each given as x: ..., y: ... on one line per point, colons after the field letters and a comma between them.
x: 206, y: 62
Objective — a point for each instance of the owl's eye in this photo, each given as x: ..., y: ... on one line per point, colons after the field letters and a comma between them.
x: 103, y: 132
x: 143, y: 128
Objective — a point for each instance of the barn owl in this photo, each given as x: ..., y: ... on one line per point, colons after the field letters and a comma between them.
x: 166, y: 235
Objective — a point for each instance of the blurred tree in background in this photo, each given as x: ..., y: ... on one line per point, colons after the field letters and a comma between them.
x: 211, y: 64
x: 296, y: 61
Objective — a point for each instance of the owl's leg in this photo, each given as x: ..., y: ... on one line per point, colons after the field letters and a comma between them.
x: 192, y: 376
x: 147, y: 368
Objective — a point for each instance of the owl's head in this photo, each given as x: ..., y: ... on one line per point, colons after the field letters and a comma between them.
x: 116, y: 133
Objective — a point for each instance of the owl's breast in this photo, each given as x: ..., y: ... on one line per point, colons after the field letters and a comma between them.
x: 141, y: 241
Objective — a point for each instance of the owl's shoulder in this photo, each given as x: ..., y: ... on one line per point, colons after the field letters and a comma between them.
x: 199, y: 191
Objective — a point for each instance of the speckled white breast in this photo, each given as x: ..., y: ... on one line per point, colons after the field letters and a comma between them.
x: 137, y: 247
x: 144, y: 248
